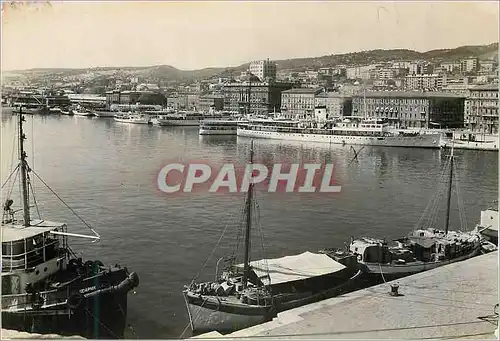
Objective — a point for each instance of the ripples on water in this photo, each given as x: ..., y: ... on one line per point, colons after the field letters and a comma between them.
x: 106, y: 171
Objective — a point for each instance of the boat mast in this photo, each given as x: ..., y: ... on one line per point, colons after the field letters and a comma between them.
x: 448, y: 204
x: 246, y: 269
x: 24, y: 170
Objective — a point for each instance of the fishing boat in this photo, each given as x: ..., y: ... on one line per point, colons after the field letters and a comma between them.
x: 46, y: 288
x: 81, y: 111
x: 254, y: 292
x: 426, y: 247
x: 133, y: 118
x: 488, y: 225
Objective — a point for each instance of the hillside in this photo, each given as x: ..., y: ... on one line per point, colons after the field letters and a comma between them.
x: 170, y: 73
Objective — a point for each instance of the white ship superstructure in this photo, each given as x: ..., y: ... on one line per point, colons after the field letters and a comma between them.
x: 373, y: 132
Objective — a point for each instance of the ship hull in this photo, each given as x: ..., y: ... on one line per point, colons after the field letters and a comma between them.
x: 209, y: 313
x: 204, y: 319
x: 420, y: 141
x: 95, y: 307
x: 179, y: 123
x: 100, y: 317
x: 392, y: 270
x: 217, y: 132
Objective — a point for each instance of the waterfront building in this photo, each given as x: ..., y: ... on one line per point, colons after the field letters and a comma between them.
x: 481, y: 109
x: 265, y: 97
x: 299, y: 101
x: 405, y: 109
x: 211, y: 102
x: 133, y: 97
x: 469, y: 64
x: 335, y: 104
x: 263, y: 69
x: 423, y: 82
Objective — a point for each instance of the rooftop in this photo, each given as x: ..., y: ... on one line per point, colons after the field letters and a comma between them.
x: 486, y: 87
x: 408, y: 94
x: 303, y: 91
x: 13, y: 232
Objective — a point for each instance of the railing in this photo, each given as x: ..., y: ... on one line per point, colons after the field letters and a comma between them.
x: 28, y: 259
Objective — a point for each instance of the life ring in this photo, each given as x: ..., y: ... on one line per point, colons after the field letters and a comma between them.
x: 74, y: 301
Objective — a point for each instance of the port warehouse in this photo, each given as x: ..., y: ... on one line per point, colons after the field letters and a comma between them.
x: 402, y: 108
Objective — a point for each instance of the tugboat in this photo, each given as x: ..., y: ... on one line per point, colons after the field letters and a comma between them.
x: 46, y: 288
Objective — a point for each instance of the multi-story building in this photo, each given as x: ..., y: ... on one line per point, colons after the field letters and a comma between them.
x: 263, y: 69
x: 451, y: 66
x: 487, y: 65
x: 134, y: 97
x: 359, y: 72
x: 386, y: 73
x: 259, y: 97
x: 336, y: 104
x: 481, y: 109
x: 211, y: 102
x: 420, y: 68
x: 423, y: 82
x: 469, y: 64
x: 411, y: 109
x: 299, y: 101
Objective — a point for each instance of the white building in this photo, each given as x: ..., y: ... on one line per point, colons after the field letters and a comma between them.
x: 263, y: 69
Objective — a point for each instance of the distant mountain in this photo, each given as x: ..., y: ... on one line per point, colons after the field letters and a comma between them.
x: 170, y: 73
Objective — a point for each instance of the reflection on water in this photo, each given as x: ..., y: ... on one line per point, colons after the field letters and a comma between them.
x: 106, y: 171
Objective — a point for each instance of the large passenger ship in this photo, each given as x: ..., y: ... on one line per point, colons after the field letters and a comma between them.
x: 373, y: 132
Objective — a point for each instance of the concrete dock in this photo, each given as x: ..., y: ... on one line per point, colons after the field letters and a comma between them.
x: 454, y: 302
x: 7, y: 334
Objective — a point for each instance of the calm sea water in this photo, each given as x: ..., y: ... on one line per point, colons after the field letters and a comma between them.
x: 106, y: 171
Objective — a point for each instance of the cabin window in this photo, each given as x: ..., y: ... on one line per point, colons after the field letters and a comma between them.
x: 11, y: 284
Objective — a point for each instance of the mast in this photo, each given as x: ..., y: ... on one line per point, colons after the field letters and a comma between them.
x: 24, y: 170
x: 246, y: 269
x: 448, y: 204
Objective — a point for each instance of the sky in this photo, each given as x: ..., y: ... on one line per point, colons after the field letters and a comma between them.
x: 193, y: 35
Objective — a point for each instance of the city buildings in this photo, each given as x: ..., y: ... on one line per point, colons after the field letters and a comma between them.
x: 265, y: 70
x: 481, y: 109
x: 299, y: 101
x: 411, y: 109
x: 211, y: 102
x: 423, y: 82
x: 134, y: 97
x: 259, y: 97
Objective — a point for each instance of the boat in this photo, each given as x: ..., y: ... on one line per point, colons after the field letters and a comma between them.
x: 218, y: 127
x: 132, y: 118
x: 426, y: 247
x: 182, y: 118
x: 46, y: 288
x: 253, y: 292
x: 55, y: 110
x: 488, y: 225
x: 67, y: 112
x: 102, y: 113
x: 371, y: 132
x: 81, y: 111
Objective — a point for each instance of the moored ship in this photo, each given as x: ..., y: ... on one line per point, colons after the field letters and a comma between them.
x: 256, y: 291
x: 372, y: 132
x: 46, y: 288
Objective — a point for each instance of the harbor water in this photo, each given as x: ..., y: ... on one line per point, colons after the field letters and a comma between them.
x: 107, y: 172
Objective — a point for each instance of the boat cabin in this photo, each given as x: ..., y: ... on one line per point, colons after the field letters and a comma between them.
x: 370, y: 250
x: 31, y: 253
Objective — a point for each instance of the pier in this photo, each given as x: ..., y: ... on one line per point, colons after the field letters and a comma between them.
x: 7, y: 334
x: 453, y: 301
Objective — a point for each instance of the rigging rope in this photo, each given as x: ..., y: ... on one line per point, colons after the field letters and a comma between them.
x: 65, y: 204
x: 461, y: 210
x: 12, y: 173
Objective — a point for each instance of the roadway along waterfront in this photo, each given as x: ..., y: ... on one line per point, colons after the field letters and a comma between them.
x: 107, y: 172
